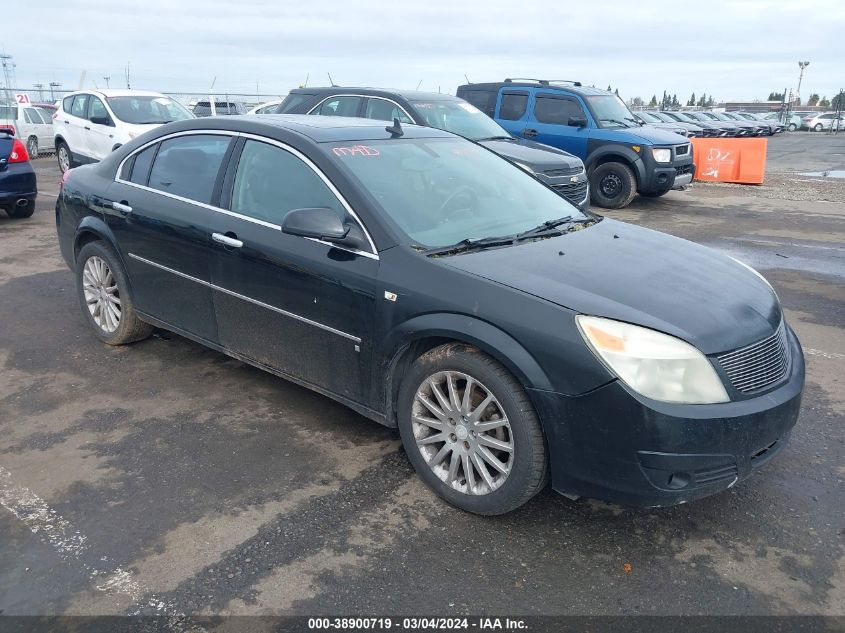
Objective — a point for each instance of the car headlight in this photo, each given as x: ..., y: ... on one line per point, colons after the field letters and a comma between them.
x: 654, y: 364
x: 763, y: 279
x: 662, y: 154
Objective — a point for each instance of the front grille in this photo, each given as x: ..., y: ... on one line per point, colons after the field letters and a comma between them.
x: 680, y: 170
x: 758, y: 365
x: 574, y: 192
x: 566, y: 171
x: 681, y: 150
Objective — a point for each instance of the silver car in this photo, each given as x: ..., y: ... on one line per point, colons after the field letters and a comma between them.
x: 819, y: 122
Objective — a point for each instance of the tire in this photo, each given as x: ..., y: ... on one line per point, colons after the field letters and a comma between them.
x: 463, y: 442
x: 18, y: 213
x: 791, y: 127
x: 92, y: 282
x: 818, y: 127
x: 32, y: 147
x: 64, y: 157
x: 613, y: 185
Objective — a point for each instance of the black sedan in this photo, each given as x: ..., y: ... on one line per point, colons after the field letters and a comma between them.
x: 428, y: 284
x: 18, y: 186
x: 561, y: 170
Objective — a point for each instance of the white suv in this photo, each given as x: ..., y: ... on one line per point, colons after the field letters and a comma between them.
x: 90, y: 124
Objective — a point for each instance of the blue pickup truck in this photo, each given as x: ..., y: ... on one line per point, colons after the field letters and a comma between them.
x: 623, y: 157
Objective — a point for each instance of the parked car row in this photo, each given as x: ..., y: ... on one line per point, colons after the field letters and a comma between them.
x: 428, y: 284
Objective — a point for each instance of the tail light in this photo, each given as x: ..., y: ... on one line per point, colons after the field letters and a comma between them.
x: 10, y: 128
x: 19, y: 154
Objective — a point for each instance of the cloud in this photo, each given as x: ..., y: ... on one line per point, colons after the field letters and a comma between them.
x: 730, y: 49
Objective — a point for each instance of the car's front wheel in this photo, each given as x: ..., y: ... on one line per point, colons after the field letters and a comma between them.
x: 103, y: 292
x: 613, y: 185
x: 792, y: 127
x: 32, y: 147
x: 63, y: 156
x: 470, y: 430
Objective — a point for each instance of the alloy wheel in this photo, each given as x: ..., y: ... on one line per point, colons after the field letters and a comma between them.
x: 64, y: 159
x: 101, y: 293
x: 32, y: 148
x: 462, y: 432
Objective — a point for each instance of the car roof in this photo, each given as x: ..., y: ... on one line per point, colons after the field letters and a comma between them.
x: 320, y: 129
x: 576, y: 87
x: 115, y: 92
x: 409, y: 95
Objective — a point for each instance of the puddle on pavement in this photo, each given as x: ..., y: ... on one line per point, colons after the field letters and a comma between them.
x: 830, y: 173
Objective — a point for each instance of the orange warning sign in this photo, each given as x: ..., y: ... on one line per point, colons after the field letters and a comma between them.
x: 740, y: 160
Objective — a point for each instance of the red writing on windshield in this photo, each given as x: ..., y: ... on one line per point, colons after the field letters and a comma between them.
x: 355, y: 150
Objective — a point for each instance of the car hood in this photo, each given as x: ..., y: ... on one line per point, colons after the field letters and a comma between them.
x: 536, y: 156
x: 632, y: 274
x: 652, y: 135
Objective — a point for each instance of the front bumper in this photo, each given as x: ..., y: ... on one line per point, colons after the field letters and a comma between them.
x: 615, y: 445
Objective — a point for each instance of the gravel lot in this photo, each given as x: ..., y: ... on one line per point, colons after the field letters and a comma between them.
x: 164, y: 477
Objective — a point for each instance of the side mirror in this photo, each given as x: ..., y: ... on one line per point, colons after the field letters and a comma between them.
x: 577, y: 121
x: 323, y: 224
x: 101, y: 120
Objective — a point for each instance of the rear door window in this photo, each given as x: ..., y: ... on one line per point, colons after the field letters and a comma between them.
x: 552, y: 109
x: 271, y: 182
x: 80, y: 106
x: 513, y: 105
x: 384, y: 110
x: 340, y: 106
x: 188, y: 166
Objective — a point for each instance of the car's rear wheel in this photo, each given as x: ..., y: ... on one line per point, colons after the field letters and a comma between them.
x: 103, y: 292
x: 818, y: 127
x: 32, y: 147
x: 63, y: 156
x: 21, y: 211
x: 613, y: 185
x: 470, y: 430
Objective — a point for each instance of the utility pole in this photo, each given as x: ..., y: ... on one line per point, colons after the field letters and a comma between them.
x: 54, y: 84
x: 107, y: 77
x: 802, y: 66
x: 40, y: 89
x: 127, y: 76
x: 6, y: 61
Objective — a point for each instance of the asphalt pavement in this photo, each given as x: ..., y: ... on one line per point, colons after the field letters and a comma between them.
x: 163, y: 477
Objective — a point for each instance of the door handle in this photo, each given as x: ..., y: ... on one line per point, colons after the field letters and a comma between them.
x: 226, y: 240
x: 87, y: 128
x: 121, y: 207
x: 529, y: 133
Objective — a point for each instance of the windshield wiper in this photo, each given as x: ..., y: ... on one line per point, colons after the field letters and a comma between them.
x: 549, y: 226
x: 495, y: 138
x: 469, y: 244
x: 617, y: 121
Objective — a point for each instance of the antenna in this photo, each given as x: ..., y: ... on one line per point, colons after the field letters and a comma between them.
x: 331, y: 81
x: 396, y: 129
x: 419, y: 84
x: 467, y: 78
x: 307, y: 77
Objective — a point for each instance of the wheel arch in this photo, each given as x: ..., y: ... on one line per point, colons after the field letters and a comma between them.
x: 93, y: 229
x: 618, y: 154
x: 415, y: 337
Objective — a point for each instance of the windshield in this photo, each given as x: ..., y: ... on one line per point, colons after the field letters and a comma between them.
x: 459, y: 117
x: 147, y: 109
x: 662, y: 117
x: 440, y: 191
x: 649, y: 118
x: 611, y: 111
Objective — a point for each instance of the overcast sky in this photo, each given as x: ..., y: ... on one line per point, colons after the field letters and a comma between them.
x: 728, y: 49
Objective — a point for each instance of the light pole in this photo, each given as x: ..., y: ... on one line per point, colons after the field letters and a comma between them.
x: 802, y: 66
